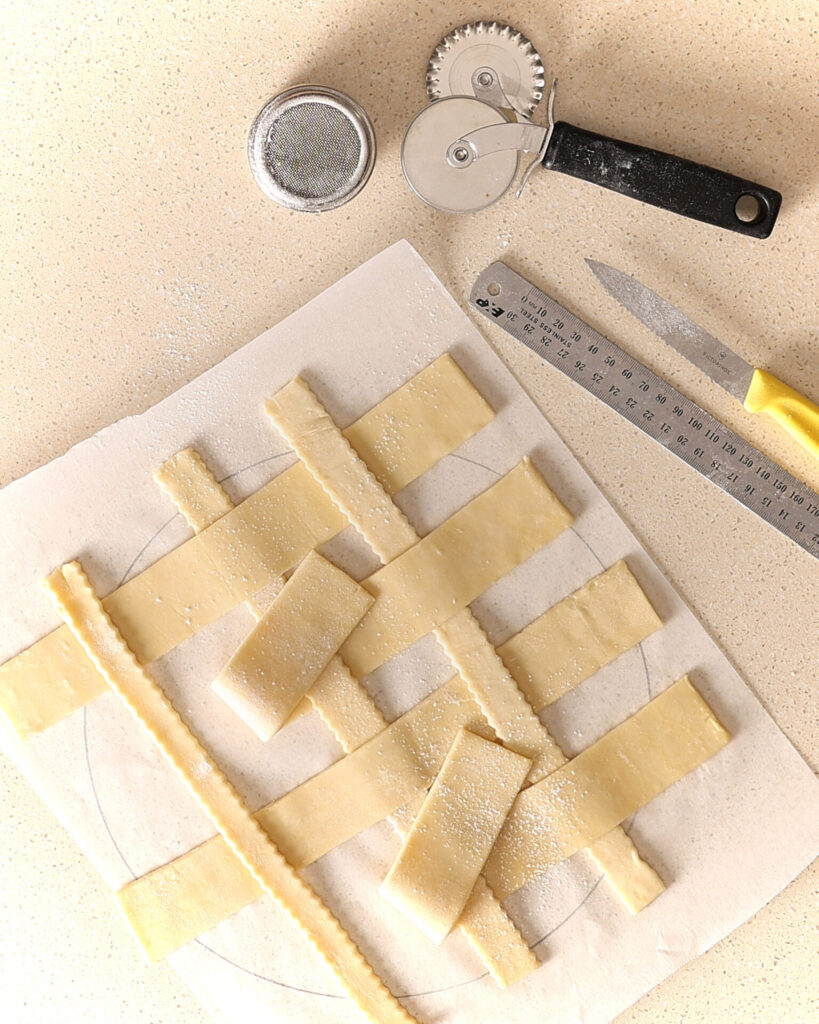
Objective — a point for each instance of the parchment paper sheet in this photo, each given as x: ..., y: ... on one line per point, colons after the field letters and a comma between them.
x: 726, y: 839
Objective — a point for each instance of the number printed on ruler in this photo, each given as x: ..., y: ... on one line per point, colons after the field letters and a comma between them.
x: 649, y: 402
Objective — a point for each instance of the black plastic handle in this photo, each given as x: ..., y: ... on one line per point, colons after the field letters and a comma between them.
x: 663, y: 180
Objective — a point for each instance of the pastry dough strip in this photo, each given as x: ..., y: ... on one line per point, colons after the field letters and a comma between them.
x: 460, y: 819
x: 468, y: 648
x: 302, y: 420
x: 341, y: 701
x: 345, y: 478
x: 292, y: 644
x: 84, y: 614
x: 401, y: 438
x: 345, y: 707
x: 352, y: 715
x: 579, y: 635
x: 200, y: 499
x: 610, y: 780
x: 191, y: 486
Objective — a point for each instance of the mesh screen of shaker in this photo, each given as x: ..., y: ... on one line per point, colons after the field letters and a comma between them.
x: 313, y: 150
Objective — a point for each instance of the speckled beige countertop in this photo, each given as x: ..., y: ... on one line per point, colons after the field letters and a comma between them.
x: 138, y: 252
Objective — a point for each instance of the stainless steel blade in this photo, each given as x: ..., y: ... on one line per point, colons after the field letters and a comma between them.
x: 705, y: 351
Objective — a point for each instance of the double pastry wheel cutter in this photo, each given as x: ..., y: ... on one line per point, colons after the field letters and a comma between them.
x: 461, y: 153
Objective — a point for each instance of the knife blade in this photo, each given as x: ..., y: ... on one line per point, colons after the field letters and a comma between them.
x: 758, y: 390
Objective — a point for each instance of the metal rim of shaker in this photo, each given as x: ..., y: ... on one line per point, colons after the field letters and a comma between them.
x: 294, y: 97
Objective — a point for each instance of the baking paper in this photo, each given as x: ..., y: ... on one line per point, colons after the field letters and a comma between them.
x: 725, y: 839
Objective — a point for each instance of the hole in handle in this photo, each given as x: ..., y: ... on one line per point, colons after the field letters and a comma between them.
x: 750, y: 208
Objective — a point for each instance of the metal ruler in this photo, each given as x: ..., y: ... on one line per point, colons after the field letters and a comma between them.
x: 649, y: 402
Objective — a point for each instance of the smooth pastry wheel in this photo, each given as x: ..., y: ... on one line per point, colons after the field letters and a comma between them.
x: 481, y: 797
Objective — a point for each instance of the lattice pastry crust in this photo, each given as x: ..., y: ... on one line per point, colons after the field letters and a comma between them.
x: 496, y: 773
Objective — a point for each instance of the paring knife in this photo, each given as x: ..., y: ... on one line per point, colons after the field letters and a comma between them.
x: 758, y: 390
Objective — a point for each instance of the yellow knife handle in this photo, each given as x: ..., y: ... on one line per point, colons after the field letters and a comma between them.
x: 792, y: 411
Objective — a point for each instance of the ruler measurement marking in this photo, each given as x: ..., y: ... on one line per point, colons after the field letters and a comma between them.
x: 650, y: 403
